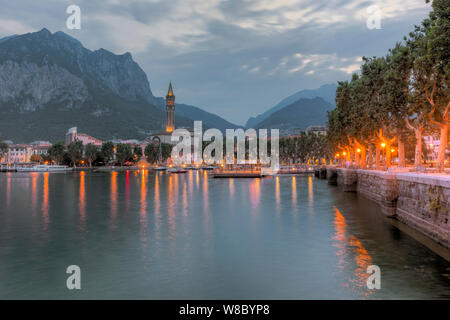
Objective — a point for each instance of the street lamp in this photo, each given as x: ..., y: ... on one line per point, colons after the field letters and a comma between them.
x: 383, y: 144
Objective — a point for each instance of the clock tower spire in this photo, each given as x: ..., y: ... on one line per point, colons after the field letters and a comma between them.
x: 170, y: 109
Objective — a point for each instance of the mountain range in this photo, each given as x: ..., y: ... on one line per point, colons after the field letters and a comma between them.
x: 49, y: 82
x: 299, y: 99
x: 302, y: 113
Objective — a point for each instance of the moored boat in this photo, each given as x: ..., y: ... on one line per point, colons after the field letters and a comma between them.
x: 44, y: 168
x: 177, y: 170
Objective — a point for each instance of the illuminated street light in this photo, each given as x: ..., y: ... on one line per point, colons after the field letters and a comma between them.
x: 358, y: 150
x: 383, y: 144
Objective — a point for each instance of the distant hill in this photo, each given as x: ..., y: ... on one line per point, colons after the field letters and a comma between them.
x: 300, y: 114
x: 327, y: 92
x: 49, y: 82
x: 209, y: 120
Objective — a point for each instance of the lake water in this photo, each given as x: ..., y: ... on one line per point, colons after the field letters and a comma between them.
x: 164, y: 236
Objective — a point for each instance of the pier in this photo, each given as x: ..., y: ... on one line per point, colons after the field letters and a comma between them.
x: 237, y: 173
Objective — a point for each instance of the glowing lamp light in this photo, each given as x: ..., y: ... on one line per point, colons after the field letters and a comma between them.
x: 383, y: 144
x: 337, y: 155
x: 358, y: 150
x: 344, y: 153
x: 392, y: 150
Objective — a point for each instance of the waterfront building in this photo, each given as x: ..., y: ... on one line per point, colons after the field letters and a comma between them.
x: 317, y: 129
x: 73, y: 134
x: 19, y: 153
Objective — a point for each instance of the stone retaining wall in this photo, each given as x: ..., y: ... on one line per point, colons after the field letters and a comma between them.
x: 418, y: 200
x: 424, y: 204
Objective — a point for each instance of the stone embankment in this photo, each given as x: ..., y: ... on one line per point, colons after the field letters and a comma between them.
x: 422, y: 201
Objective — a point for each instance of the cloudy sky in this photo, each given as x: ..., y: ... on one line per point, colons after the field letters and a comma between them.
x: 235, y: 58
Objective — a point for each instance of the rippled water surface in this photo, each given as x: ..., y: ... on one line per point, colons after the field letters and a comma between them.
x: 166, y: 236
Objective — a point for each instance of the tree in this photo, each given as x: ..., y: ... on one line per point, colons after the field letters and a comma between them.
x: 123, y: 153
x: 431, y: 71
x: 107, y: 151
x: 137, y: 153
x: 396, y: 93
x: 152, y: 152
x: 35, y: 158
x: 3, y: 149
x: 75, y: 151
x: 56, y: 152
x: 166, y: 151
x: 91, y: 153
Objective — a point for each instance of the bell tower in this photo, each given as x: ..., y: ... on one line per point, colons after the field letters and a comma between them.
x: 170, y: 109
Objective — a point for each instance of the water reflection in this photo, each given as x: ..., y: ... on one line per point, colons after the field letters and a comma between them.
x: 310, y: 191
x: 197, y: 179
x: 205, y: 193
x: 171, y: 204
x: 191, y: 181
x: 231, y: 187
x: 113, y: 197
x: 277, y: 193
x: 143, y: 196
x: 45, y: 202
x: 8, y: 189
x: 294, y: 193
x: 143, y: 209
x: 350, y: 246
x: 34, y: 177
x: 255, y: 193
x: 185, y: 200
x: 157, y: 204
x: 127, y: 191
x: 82, y: 199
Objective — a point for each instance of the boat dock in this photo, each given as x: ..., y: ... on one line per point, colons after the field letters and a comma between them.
x: 238, y: 173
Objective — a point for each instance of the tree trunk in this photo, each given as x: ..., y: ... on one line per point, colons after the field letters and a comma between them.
x: 418, y: 154
x: 370, y: 157
x: 387, y: 149
x: 401, y: 152
x: 363, y: 160
x: 442, y: 148
x: 377, y: 159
